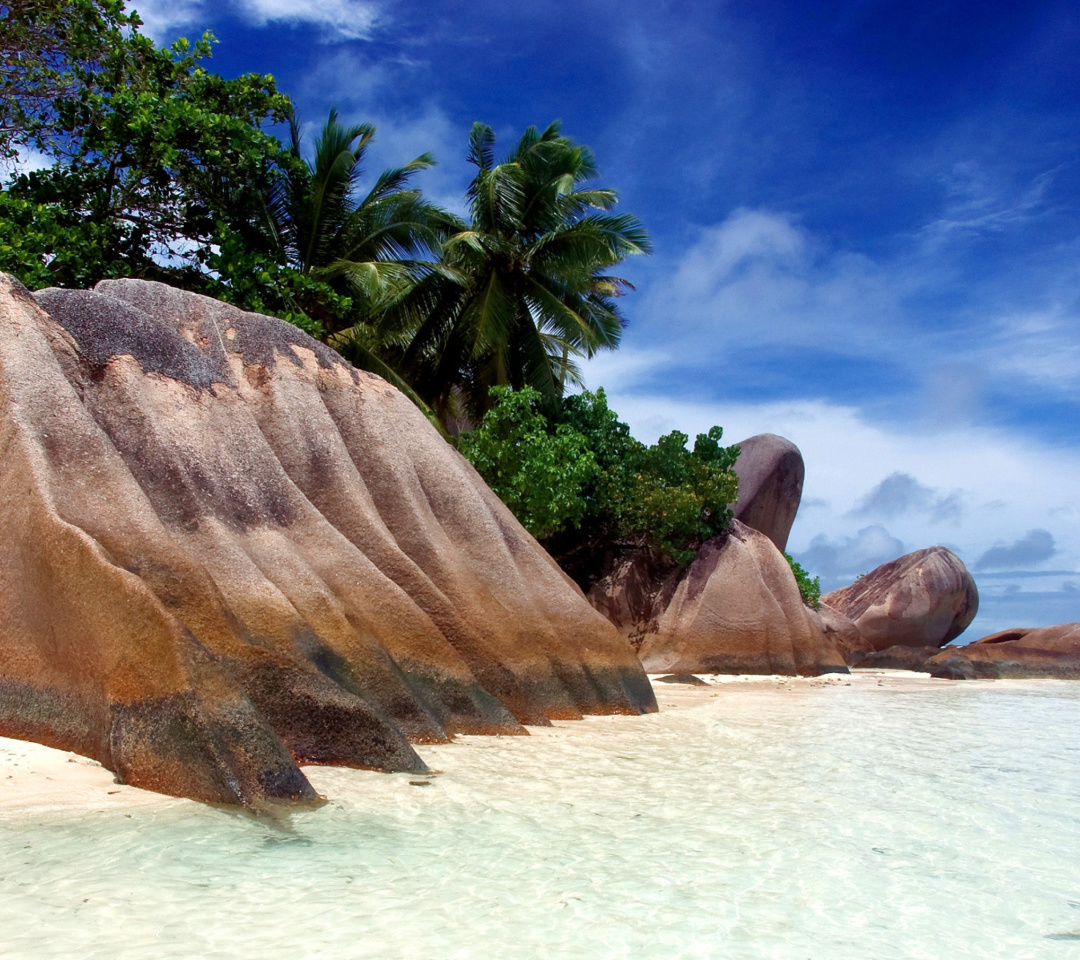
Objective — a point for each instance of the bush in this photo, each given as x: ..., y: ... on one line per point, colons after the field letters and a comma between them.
x: 578, y: 481
x: 540, y: 472
x: 809, y: 588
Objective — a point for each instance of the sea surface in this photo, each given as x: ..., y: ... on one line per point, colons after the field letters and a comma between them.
x: 806, y: 820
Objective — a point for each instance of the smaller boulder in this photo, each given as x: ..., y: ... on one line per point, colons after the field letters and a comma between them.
x: 1020, y: 653
x: 738, y: 609
x: 923, y: 599
x: 770, y: 471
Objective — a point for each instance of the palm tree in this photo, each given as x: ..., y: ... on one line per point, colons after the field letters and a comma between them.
x: 364, y: 247
x: 523, y: 290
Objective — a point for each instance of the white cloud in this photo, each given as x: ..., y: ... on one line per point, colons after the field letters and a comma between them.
x: 347, y: 19
x: 340, y: 19
x: 758, y: 278
x: 760, y: 281
x: 161, y: 18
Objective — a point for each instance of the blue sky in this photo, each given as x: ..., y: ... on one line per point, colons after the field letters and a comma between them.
x: 866, y: 219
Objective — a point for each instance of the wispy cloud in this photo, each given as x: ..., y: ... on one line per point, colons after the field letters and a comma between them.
x: 977, y: 203
x: 339, y: 19
x: 344, y: 19
x: 758, y: 277
x: 1040, y: 348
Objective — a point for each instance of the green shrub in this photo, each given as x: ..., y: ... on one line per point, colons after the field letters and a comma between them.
x: 578, y: 481
x: 809, y: 588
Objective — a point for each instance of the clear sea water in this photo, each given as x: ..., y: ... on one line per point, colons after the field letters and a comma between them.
x: 803, y: 821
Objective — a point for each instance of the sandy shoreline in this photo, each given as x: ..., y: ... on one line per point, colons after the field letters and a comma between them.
x: 33, y: 776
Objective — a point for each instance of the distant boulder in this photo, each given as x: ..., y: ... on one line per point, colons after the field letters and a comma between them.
x: 737, y: 609
x: 770, y: 471
x: 1021, y: 653
x: 923, y: 599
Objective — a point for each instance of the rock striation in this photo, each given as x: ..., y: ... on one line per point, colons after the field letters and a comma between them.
x: 737, y: 609
x: 771, y: 472
x: 227, y: 552
x: 923, y: 599
x: 1046, y: 652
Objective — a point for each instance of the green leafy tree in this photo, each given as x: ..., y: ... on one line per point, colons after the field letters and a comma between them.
x: 538, y: 470
x: 155, y: 158
x: 589, y: 491
x: 51, y: 52
x: 526, y: 288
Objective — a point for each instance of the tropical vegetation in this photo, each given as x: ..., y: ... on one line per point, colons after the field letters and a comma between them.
x: 526, y: 288
x: 579, y: 482
x: 809, y: 587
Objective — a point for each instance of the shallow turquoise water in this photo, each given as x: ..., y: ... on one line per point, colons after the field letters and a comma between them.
x: 803, y: 821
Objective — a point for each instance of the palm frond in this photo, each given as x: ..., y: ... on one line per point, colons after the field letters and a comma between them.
x: 481, y: 146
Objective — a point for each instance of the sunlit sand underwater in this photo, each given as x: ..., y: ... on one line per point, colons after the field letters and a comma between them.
x: 865, y: 818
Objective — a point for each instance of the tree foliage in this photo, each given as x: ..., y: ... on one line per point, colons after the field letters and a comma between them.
x: 538, y: 469
x: 51, y: 53
x: 525, y: 288
x: 583, y: 485
x: 156, y: 159
x: 809, y: 587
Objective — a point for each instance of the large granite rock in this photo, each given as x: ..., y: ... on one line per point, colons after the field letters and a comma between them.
x: 1045, y: 652
x: 737, y: 609
x: 923, y: 599
x: 227, y: 552
x: 770, y: 471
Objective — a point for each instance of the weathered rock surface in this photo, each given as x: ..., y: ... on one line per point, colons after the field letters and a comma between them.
x: 842, y: 632
x: 923, y: 599
x: 737, y: 609
x: 770, y: 471
x: 899, y: 658
x: 1046, y: 652
x: 227, y: 552
x: 636, y: 593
